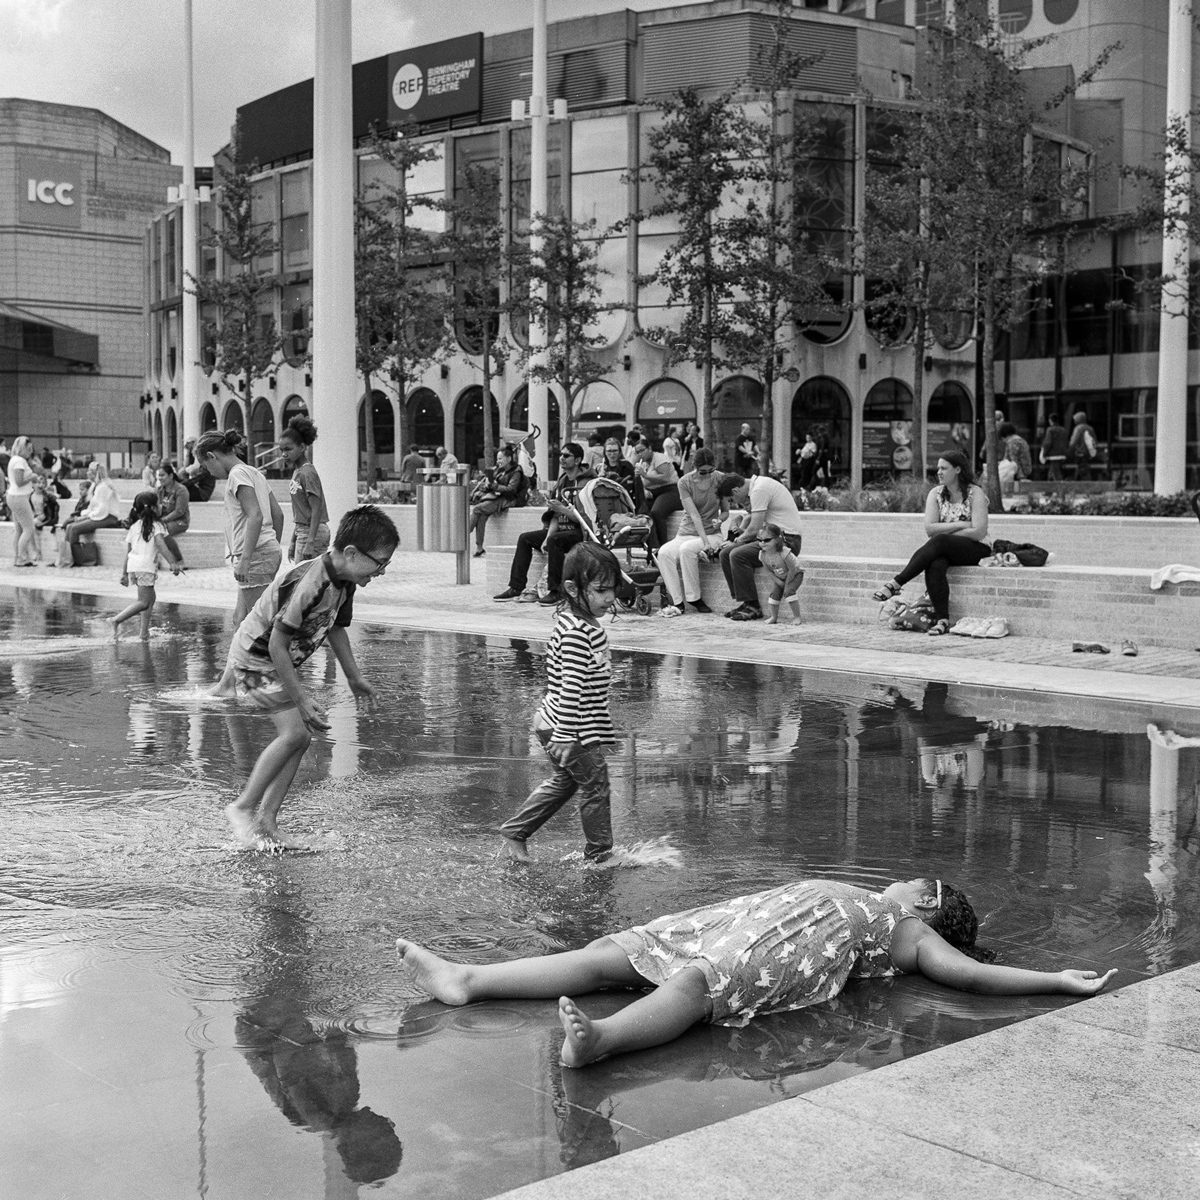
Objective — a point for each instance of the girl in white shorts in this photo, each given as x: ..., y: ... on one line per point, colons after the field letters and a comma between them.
x: 145, y: 544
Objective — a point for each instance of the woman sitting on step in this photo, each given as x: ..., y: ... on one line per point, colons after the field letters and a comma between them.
x: 956, y: 519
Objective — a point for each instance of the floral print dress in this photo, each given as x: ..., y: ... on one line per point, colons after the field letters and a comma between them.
x: 772, y: 951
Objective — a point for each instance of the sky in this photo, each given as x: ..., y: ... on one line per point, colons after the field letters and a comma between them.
x: 125, y: 57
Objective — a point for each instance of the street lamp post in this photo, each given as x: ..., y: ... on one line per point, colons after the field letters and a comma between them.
x: 189, y: 325
x: 539, y: 128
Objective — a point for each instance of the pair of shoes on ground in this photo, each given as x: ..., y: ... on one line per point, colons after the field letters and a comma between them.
x: 1128, y: 648
x: 745, y: 612
x: 677, y: 610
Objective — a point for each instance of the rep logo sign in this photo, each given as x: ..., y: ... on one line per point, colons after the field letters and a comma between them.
x: 49, y: 192
x: 440, y: 80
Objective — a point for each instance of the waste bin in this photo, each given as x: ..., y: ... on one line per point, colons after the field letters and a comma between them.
x: 442, y: 512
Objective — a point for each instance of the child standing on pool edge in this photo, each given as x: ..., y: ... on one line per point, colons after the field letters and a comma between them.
x: 312, y: 601
x: 573, y: 723
x: 785, y: 569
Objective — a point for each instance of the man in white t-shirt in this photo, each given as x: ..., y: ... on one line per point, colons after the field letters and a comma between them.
x: 764, y: 501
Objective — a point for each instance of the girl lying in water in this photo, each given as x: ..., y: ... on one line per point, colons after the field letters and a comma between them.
x: 727, y: 963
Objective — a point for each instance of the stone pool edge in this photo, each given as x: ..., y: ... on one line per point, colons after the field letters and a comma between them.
x: 1095, y: 1099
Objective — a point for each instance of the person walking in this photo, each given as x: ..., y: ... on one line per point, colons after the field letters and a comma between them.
x: 1082, y: 447
x: 1055, y: 442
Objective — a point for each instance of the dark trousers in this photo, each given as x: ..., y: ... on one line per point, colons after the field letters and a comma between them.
x: 665, y: 502
x: 78, y: 527
x: 739, y: 562
x: 577, y: 768
x: 555, y: 546
x: 941, y: 552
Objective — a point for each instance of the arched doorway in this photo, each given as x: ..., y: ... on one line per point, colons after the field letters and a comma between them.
x: 157, y: 440
x: 232, y: 418
x: 600, y: 409
x: 383, y: 429
x: 172, y: 434
x: 949, y: 421
x: 426, y: 421
x: 518, y: 418
x: 663, y: 404
x: 887, y: 430
x: 262, y: 433
x: 468, y: 427
x: 208, y: 418
x: 821, y: 406
x: 736, y: 401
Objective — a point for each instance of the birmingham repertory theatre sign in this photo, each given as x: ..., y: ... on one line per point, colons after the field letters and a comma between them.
x: 439, y: 80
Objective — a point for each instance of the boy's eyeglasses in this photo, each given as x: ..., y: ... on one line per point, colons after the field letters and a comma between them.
x: 380, y: 566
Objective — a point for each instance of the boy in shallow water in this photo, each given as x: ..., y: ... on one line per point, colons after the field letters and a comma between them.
x: 312, y: 602
x: 726, y: 963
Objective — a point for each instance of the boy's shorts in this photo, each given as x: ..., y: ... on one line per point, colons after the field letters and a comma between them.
x: 261, y: 689
x: 262, y: 566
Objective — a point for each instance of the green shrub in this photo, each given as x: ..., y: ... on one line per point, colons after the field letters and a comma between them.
x: 1109, y: 504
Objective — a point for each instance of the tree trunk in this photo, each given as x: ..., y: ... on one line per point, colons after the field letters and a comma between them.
x: 489, y: 448
x: 369, y: 430
x: 991, y: 440
x: 768, y: 418
x: 706, y: 398
x: 920, y: 457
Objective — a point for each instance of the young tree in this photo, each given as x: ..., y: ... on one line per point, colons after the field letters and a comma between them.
x: 985, y: 187
x: 400, y: 278
x: 570, y: 272
x: 475, y: 248
x: 245, y: 337
x: 693, y: 168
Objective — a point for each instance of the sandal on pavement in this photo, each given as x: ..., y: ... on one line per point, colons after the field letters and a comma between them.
x: 889, y: 589
x: 670, y: 610
x: 1129, y: 649
x: 938, y: 628
x: 1089, y: 648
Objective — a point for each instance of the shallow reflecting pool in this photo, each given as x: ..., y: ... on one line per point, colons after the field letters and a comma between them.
x: 177, y: 1018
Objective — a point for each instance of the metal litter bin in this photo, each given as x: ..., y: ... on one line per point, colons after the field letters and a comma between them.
x: 442, y: 515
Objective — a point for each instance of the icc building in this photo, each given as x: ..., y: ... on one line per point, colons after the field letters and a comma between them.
x: 1089, y: 343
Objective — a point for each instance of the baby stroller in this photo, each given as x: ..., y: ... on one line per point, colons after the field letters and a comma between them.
x: 606, y: 514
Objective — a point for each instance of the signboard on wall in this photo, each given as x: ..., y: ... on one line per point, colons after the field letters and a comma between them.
x: 443, y: 79
x: 49, y: 192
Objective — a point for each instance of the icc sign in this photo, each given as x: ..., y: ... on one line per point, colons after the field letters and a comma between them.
x: 49, y: 192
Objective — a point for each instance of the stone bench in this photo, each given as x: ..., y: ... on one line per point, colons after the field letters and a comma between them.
x: 1065, y: 603
x: 200, y: 548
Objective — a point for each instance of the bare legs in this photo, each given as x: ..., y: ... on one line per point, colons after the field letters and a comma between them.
x: 144, y: 604
x: 650, y: 1020
x: 253, y: 814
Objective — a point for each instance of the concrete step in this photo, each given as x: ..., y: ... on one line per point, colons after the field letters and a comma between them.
x: 203, y: 548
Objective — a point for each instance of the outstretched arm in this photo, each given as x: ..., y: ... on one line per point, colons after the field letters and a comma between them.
x: 936, y: 959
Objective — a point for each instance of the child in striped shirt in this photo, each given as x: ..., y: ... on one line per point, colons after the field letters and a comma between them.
x: 573, y: 723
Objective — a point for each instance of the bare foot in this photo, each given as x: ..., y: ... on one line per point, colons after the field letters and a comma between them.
x: 516, y: 850
x: 444, y: 981
x: 245, y: 832
x: 581, y: 1039
x: 116, y: 629
x: 770, y: 621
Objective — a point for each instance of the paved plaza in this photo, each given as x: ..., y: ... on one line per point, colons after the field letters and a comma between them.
x: 1094, y: 1099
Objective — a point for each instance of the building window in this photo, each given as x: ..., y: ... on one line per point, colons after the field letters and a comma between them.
x: 232, y: 418
x: 264, y: 213
x: 887, y: 429
x: 296, y: 307
x: 1014, y: 15
x: 1059, y: 12
x: 295, y: 219
x: 821, y: 406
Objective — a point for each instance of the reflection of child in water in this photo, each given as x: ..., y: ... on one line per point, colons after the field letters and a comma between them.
x: 727, y: 963
x: 313, y: 1078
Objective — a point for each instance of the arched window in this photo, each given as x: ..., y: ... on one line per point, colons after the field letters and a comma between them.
x: 598, y: 408
x: 468, y: 426
x: 887, y: 429
x: 888, y: 318
x: 735, y: 401
x: 821, y: 406
x: 208, y: 418
x: 949, y: 421
x: 293, y: 406
x: 232, y: 417
x: 518, y: 418
x: 663, y: 404
x: 172, y: 434
x: 426, y: 421
x: 383, y: 429
x: 262, y: 434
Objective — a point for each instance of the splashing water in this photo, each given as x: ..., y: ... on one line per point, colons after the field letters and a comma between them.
x: 653, y: 852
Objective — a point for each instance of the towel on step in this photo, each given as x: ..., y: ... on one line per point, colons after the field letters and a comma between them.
x: 1174, y: 573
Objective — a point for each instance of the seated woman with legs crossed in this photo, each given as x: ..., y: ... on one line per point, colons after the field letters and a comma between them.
x: 699, y: 532
x: 956, y: 519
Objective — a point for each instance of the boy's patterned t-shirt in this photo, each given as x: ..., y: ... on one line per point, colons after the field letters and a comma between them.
x: 772, y: 951
x: 307, y: 601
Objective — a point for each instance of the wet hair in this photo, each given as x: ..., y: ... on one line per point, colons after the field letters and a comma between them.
x: 301, y: 430
x: 966, y: 477
x: 218, y: 441
x: 1007, y: 429
x: 585, y: 564
x: 366, y: 528
x: 729, y: 484
x: 145, y: 509
x: 704, y: 457
x: 956, y: 923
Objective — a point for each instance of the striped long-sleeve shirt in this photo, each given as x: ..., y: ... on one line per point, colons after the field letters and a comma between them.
x: 578, y: 675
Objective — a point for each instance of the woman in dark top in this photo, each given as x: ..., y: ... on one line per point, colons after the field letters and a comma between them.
x: 495, y: 495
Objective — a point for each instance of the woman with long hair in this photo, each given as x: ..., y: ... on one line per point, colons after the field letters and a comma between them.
x: 956, y: 522
x: 20, y: 504
x: 103, y: 511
